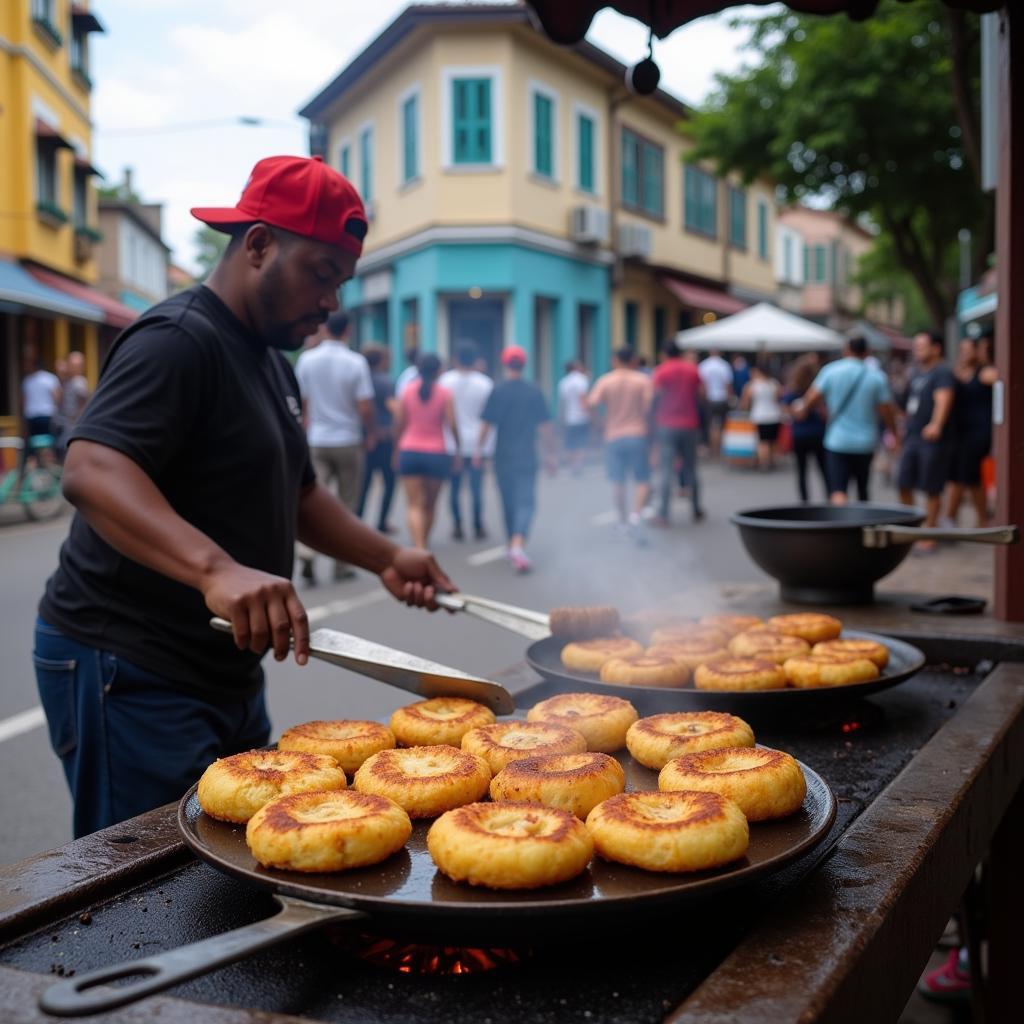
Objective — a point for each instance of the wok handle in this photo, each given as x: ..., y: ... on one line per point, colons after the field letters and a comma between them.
x: 82, y: 995
x: 883, y: 536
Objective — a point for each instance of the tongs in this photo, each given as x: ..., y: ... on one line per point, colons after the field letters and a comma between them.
x: 523, y: 621
x: 399, y: 668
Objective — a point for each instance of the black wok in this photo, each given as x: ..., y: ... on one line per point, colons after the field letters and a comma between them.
x: 834, y: 554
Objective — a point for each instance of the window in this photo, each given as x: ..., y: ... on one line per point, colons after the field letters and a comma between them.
x: 659, y: 326
x: 410, y: 138
x: 585, y: 180
x: 586, y: 333
x: 788, y: 269
x: 642, y: 174
x: 701, y: 202
x: 471, y: 120
x: 762, y: 229
x: 737, y: 217
x: 80, y: 199
x: 366, y: 163
x: 46, y: 173
x: 631, y: 314
x: 543, y: 134
x: 410, y: 317
x: 815, y: 264
x: 345, y: 159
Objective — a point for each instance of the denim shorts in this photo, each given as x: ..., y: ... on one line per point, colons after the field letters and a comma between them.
x: 433, y: 464
x: 627, y: 457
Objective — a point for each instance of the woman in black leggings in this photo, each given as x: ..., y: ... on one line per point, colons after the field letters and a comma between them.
x: 808, y: 432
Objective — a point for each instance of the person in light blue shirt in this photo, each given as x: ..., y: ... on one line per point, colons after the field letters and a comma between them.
x: 856, y: 397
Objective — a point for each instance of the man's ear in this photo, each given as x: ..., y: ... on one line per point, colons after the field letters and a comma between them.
x: 259, y: 240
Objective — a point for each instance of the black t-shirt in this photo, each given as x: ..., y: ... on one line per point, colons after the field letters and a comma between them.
x: 213, y: 417
x: 921, y: 398
x: 516, y: 408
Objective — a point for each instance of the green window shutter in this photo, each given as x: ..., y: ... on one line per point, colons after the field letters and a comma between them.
x: 689, y: 198
x: 652, y: 179
x: 820, y: 264
x: 762, y: 229
x: 483, y: 120
x: 630, y: 176
x: 471, y: 120
x: 586, y: 153
x: 366, y: 165
x: 410, y: 144
x: 543, y: 160
x: 460, y: 126
x: 738, y: 217
x: 707, y: 204
x: 807, y: 264
x: 630, y: 311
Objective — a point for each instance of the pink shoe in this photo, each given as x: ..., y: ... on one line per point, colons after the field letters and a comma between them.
x: 521, y: 564
x: 949, y: 983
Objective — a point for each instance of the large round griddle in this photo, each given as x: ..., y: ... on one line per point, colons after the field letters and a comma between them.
x: 544, y: 657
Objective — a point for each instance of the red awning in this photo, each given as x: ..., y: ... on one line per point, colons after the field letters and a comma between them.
x: 115, y: 314
x: 700, y: 297
x: 49, y: 134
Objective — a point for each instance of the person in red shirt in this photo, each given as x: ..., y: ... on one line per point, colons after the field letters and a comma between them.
x: 678, y: 392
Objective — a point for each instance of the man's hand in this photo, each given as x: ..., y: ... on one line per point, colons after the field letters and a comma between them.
x: 263, y: 610
x: 931, y: 432
x: 415, y: 578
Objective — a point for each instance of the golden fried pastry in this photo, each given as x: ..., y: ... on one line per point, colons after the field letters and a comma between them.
x: 571, y: 782
x: 810, y: 626
x: 669, y: 831
x: 601, y: 719
x: 590, y: 655
x: 740, y: 674
x: 765, y: 783
x: 506, y: 742
x: 438, y: 720
x: 855, y: 647
x: 689, y: 631
x: 510, y: 846
x: 731, y: 624
x: 349, y: 741
x: 768, y: 645
x: 656, y: 740
x: 692, y: 651
x: 326, y: 831
x: 817, y: 670
x: 234, y: 788
x: 584, y: 623
x: 425, y: 781
x: 645, y: 669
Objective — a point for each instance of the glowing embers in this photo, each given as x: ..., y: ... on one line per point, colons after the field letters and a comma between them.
x: 424, y: 959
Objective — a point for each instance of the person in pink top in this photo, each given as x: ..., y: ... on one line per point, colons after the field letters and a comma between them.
x: 626, y: 396
x: 678, y: 392
x: 425, y: 408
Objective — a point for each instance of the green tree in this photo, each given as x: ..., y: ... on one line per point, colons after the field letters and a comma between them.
x: 210, y: 246
x: 877, y: 118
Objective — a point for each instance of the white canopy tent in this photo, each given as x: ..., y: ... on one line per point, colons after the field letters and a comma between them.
x: 761, y: 328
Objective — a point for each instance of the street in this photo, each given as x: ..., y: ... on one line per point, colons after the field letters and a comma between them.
x: 578, y: 558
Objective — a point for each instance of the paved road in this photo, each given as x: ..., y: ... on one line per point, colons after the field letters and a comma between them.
x: 579, y: 559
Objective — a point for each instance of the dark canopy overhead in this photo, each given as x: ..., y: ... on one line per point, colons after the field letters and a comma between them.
x: 567, y: 21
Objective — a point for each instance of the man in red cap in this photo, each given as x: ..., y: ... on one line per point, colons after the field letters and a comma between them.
x: 517, y: 409
x: 192, y: 480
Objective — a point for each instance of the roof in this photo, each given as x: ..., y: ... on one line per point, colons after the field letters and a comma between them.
x: 112, y: 312
x: 131, y: 211
x: 19, y: 291
x: 830, y: 214
x: 418, y: 16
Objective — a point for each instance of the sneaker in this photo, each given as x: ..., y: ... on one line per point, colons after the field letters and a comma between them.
x: 698, y: 515
x: 949, y: 983
x: 521, y: 564
x: 479, y: 533
x: 306, y: 572
x: 457, y: 533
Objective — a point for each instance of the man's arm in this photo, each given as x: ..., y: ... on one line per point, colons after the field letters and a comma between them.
x: 481, y: 441
x: 888, y: 413
x: 368, y: 417
x: 942, y: 407
x: 126, y: 508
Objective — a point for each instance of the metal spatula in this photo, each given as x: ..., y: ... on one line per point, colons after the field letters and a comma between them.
x: 398, y: 668
x: 524, y: 621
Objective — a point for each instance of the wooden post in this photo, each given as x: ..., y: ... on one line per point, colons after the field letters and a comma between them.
x: 1009, y: 436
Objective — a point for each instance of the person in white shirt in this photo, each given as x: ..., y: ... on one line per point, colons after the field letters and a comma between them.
x: 470, y: 390
x: 716, y: 376
x: 573, y: 414
x: 40, y: 398
x: 337, y: 408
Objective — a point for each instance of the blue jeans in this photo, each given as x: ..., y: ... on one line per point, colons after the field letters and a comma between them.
x: 680, y: 442
x: 476, y: 480
x: 127, y: 739
x: 517, y: 486
x: 379, y: 461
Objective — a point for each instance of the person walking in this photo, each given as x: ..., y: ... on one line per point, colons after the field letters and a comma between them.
x: 856, y: 398
x: 425, y: 410
x: 191, y: 477
x: 379, y: 458
x: 808, y: 429
x: 626, y: 395
x: 470, y: 390
x: 517, y: 412
x: 761, y: 398
x: 411, y: 371
x: 716, y: 375
x: 337, y: 405
x: 972, y: 426
x: 74, y: 395
x: 573, y: 415
x: 678, y: 392
x: 924, y: 465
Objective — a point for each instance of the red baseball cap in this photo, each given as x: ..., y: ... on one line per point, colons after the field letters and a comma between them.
x: 300, y: 194
x: 513, y: 355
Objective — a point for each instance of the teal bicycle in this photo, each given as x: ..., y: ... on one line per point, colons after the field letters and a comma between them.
x: 36, y: 487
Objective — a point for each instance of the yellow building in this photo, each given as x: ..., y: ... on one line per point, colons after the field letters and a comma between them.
x: 48, y: 214
x: 519, y: 192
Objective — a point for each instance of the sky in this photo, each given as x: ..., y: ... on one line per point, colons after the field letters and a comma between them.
x: 173, y: 77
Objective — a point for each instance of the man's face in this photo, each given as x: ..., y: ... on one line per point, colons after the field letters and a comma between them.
x: 923, y: 351
x: 76, y: 364
x: 297, y: 287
